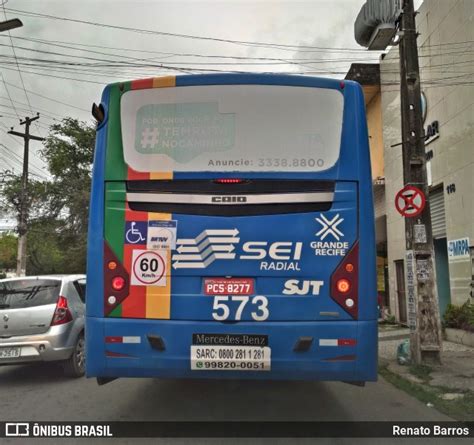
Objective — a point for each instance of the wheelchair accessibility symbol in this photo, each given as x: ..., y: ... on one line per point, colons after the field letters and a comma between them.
x: 135, y: 232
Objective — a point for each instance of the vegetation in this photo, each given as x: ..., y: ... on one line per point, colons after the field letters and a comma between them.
x: 459, y: 317
x: 421, y: 371
x: 58, y: 207
x: 389, y: 320
x: 460, y: 409
x: 8, y: 247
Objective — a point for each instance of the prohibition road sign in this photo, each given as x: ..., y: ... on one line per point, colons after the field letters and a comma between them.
x: 410, y: 201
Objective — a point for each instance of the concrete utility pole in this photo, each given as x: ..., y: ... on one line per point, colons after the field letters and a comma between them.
x: 423, y: 308
x: 23, y: 216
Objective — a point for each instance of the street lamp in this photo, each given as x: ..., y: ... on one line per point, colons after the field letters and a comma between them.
x: 10, y: 24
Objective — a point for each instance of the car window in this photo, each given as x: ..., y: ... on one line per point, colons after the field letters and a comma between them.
x: 15, y: 294
x: 80, y: 286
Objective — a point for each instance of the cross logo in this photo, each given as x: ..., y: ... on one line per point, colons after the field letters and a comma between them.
x: 329, y: 227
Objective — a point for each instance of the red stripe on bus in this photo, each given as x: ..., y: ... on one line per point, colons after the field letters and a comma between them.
x: 134, y: 306
x: 134, y: 175
x: 132, y: 215
x: 117, y: 354
x: 346, y: 342
x: 113, y: 339
x: 142, y: 83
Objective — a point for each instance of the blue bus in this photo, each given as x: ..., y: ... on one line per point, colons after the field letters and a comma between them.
x: 231, y: 230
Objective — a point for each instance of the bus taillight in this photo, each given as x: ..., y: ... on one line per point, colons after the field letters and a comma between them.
x: 344, y: 282
x: 343, y: 285
x: 118, y: 283
x: 229, y: 181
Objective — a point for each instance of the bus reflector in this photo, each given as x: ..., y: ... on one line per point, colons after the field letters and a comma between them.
x: 349, y: 267
x: 118, y: 283
x: 337, y: 342
x: 123, y: 339
x: 112, y: 265
x: 346, y: 342
x: 111, y: 300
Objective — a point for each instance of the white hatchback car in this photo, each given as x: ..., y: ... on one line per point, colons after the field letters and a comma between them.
x: 42, y: 319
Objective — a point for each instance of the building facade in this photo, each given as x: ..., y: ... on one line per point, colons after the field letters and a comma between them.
x: 446, y: 54
x: 368, y: 75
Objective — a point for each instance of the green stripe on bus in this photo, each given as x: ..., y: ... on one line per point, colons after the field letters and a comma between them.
x: 116, y: 169
x: 115, y: 193
x: 117, y: 312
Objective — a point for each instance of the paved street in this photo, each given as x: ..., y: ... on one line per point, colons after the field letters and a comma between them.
x: 41, y: 393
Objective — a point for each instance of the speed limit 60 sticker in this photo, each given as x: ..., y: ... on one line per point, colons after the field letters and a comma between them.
x: 149, y: 268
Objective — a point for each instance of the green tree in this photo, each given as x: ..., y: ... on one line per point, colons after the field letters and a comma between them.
x: 58, y: 207
x: 8, y: 247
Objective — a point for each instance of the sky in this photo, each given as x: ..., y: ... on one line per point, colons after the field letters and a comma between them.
x: 314, y: 37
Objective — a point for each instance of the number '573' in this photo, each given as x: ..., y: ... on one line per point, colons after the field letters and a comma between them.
x: 221, y: 310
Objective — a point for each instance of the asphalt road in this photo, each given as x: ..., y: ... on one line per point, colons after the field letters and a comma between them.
x: 40, y: 392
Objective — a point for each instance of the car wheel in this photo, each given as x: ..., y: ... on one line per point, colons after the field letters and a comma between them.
x: 75, y: 366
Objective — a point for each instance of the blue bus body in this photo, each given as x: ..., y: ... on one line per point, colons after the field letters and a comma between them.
x: 312, y: 331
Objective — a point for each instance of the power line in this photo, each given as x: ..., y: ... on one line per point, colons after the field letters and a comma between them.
x: 17, y: 158
x: 193, y: 69
x: 9, y: 96
x: 18, y: 142
x: 186, y: 36
x: 168, y: 55
x: 124, y: 64
x: 22, y: 109
x: 18, y: 67
x: 48, y: 98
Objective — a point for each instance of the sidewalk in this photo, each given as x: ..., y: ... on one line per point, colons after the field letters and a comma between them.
x: 454, y: 377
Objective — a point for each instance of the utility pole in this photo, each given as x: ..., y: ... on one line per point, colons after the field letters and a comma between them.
x: 23, y: 216
x: 423, y: 308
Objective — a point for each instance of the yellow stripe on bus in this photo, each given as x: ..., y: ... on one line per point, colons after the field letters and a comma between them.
x: 161, y: 175
x: 158, y: 298
x: 165, y: 81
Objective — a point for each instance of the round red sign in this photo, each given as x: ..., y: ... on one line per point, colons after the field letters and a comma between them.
x: 410, y: 201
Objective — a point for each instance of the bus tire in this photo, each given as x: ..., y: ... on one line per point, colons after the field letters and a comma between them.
x: 75, y: 365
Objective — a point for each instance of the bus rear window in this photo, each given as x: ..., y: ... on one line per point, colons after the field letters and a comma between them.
x: 244, y: 128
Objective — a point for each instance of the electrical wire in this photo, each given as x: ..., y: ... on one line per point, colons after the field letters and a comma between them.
x: 186, y: 36
x: 48, y: 98
x: 19, y: 71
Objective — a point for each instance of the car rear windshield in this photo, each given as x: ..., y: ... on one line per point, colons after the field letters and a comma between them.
x: 17, y: 294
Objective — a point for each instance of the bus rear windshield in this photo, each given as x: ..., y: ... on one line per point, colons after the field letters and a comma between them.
x: 243, y: 128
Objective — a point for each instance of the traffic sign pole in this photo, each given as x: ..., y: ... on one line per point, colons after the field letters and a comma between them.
x: 423, y: 308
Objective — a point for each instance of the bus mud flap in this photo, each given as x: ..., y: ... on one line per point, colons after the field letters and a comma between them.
x: 356, y: 383
x: 103, y: 380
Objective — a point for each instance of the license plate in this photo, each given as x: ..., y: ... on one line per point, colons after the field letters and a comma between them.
x: 9, y: 352
x: 229, y: 286
x: 230, y: 358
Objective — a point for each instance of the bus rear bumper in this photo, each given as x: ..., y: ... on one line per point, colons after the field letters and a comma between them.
x: 338, y: 351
